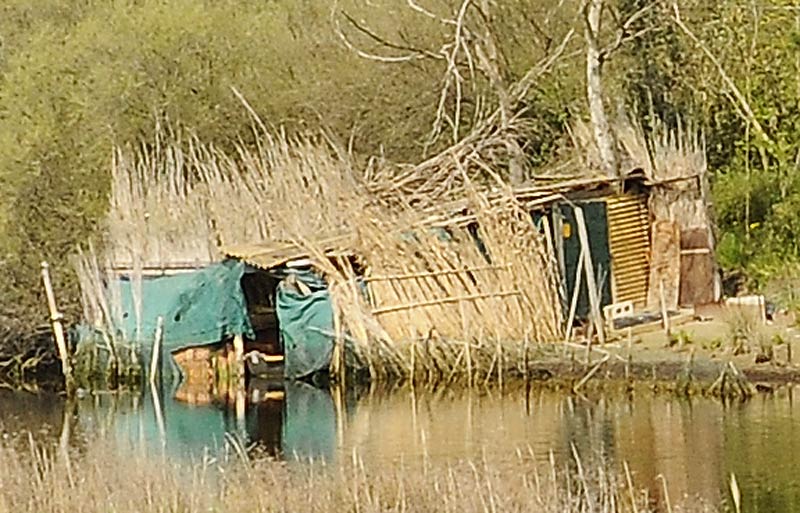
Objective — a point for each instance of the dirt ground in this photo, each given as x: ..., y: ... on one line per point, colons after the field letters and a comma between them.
x: 766, y: 353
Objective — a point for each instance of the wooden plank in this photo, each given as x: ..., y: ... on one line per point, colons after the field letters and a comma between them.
x: 58, y: 329
x: 576, y: 292
x: 591, y: 282
x: 696, y: 268
x: 428, y: 274
x: 682, y: 318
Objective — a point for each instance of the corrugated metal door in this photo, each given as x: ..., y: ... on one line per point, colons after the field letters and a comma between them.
x: 630, y: 247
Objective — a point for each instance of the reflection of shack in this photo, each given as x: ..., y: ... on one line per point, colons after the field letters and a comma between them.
x: 501, y: 265
x: 288, y: 421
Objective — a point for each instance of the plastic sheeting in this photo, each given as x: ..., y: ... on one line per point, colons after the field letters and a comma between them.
x: 200, y: 307
x: 306, y: 325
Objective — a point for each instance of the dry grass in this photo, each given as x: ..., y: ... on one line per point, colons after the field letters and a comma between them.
x: 177, y: 202
x: 101, y: 479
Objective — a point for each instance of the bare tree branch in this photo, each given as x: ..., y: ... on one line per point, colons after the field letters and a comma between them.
x: 415, y: 6
x: 412, y: 56
x: 749, y: 115
x: 624, y: 34
x: 385, y: 42
x: 522, y: 87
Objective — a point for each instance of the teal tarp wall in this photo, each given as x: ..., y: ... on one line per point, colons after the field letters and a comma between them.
x: 306, y: 326
x: 200, y: 307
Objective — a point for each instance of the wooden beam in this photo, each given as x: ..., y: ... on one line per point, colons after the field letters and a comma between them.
x: 434, y: 302
x: 428, y: 274
x: 591, y: 283
x: 238, y: 348
x: 575, y: 294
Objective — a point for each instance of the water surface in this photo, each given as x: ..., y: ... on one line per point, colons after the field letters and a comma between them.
x: 694, y: 444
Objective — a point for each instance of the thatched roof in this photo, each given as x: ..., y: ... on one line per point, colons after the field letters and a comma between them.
x: 267, y: 255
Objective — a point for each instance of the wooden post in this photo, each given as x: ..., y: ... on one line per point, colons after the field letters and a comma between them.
x: 558, y: 242
x: 240, y: 405
x: 238, y: 349
x: 339, y: 351
x: 664, y: 312
x: 575, y: 294
x: 58, y: 329
x: 156, y: 350
x: 591, y: 283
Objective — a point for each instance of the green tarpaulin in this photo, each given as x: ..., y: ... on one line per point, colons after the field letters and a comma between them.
x: 200, y: 307
x: 306, y: 326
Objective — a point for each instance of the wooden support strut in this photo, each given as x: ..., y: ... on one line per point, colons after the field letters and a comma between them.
x: 58, y: 329
x: 591, y: 283
x: 575, y: 293
x: 442, y: 301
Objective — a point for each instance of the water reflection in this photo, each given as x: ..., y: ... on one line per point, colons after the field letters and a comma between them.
x: 695, y: 445
x: 292, y: 420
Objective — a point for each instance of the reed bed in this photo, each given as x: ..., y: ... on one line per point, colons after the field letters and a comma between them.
x: 484, y: 272
x: 102, y: 479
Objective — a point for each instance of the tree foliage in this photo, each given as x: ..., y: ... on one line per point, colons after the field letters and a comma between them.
x: 77, y: 76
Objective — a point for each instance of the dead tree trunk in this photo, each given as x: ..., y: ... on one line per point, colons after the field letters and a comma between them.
x: 603, y: 136
x: 488, y: 58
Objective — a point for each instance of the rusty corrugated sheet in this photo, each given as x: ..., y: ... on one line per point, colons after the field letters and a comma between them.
x: 629, y: 242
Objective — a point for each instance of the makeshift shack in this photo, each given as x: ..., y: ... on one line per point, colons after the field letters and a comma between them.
x: 440, y: 250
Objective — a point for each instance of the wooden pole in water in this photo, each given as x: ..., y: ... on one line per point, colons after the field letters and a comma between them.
x: 339, y: 351
x: 58, y: 329
x: 156, y: 350
x: 591, y: 283
x: 156, y: 398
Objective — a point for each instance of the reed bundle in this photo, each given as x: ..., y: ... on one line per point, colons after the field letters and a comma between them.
x: 482, y: 276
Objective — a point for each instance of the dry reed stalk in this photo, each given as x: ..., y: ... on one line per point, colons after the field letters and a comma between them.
x: 34, y: 481
x: 176, y: 202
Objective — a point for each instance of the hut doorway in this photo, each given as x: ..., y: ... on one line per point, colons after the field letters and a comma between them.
x: 264, y: 353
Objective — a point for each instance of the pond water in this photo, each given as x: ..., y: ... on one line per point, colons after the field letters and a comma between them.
x: 694, y: 444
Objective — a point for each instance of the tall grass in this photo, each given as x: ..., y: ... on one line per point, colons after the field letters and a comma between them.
x: 176, y: 202
x: 101, y: 479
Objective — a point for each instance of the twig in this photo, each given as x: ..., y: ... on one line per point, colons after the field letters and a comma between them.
x: 743, y: 103
x: 591, y: 373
